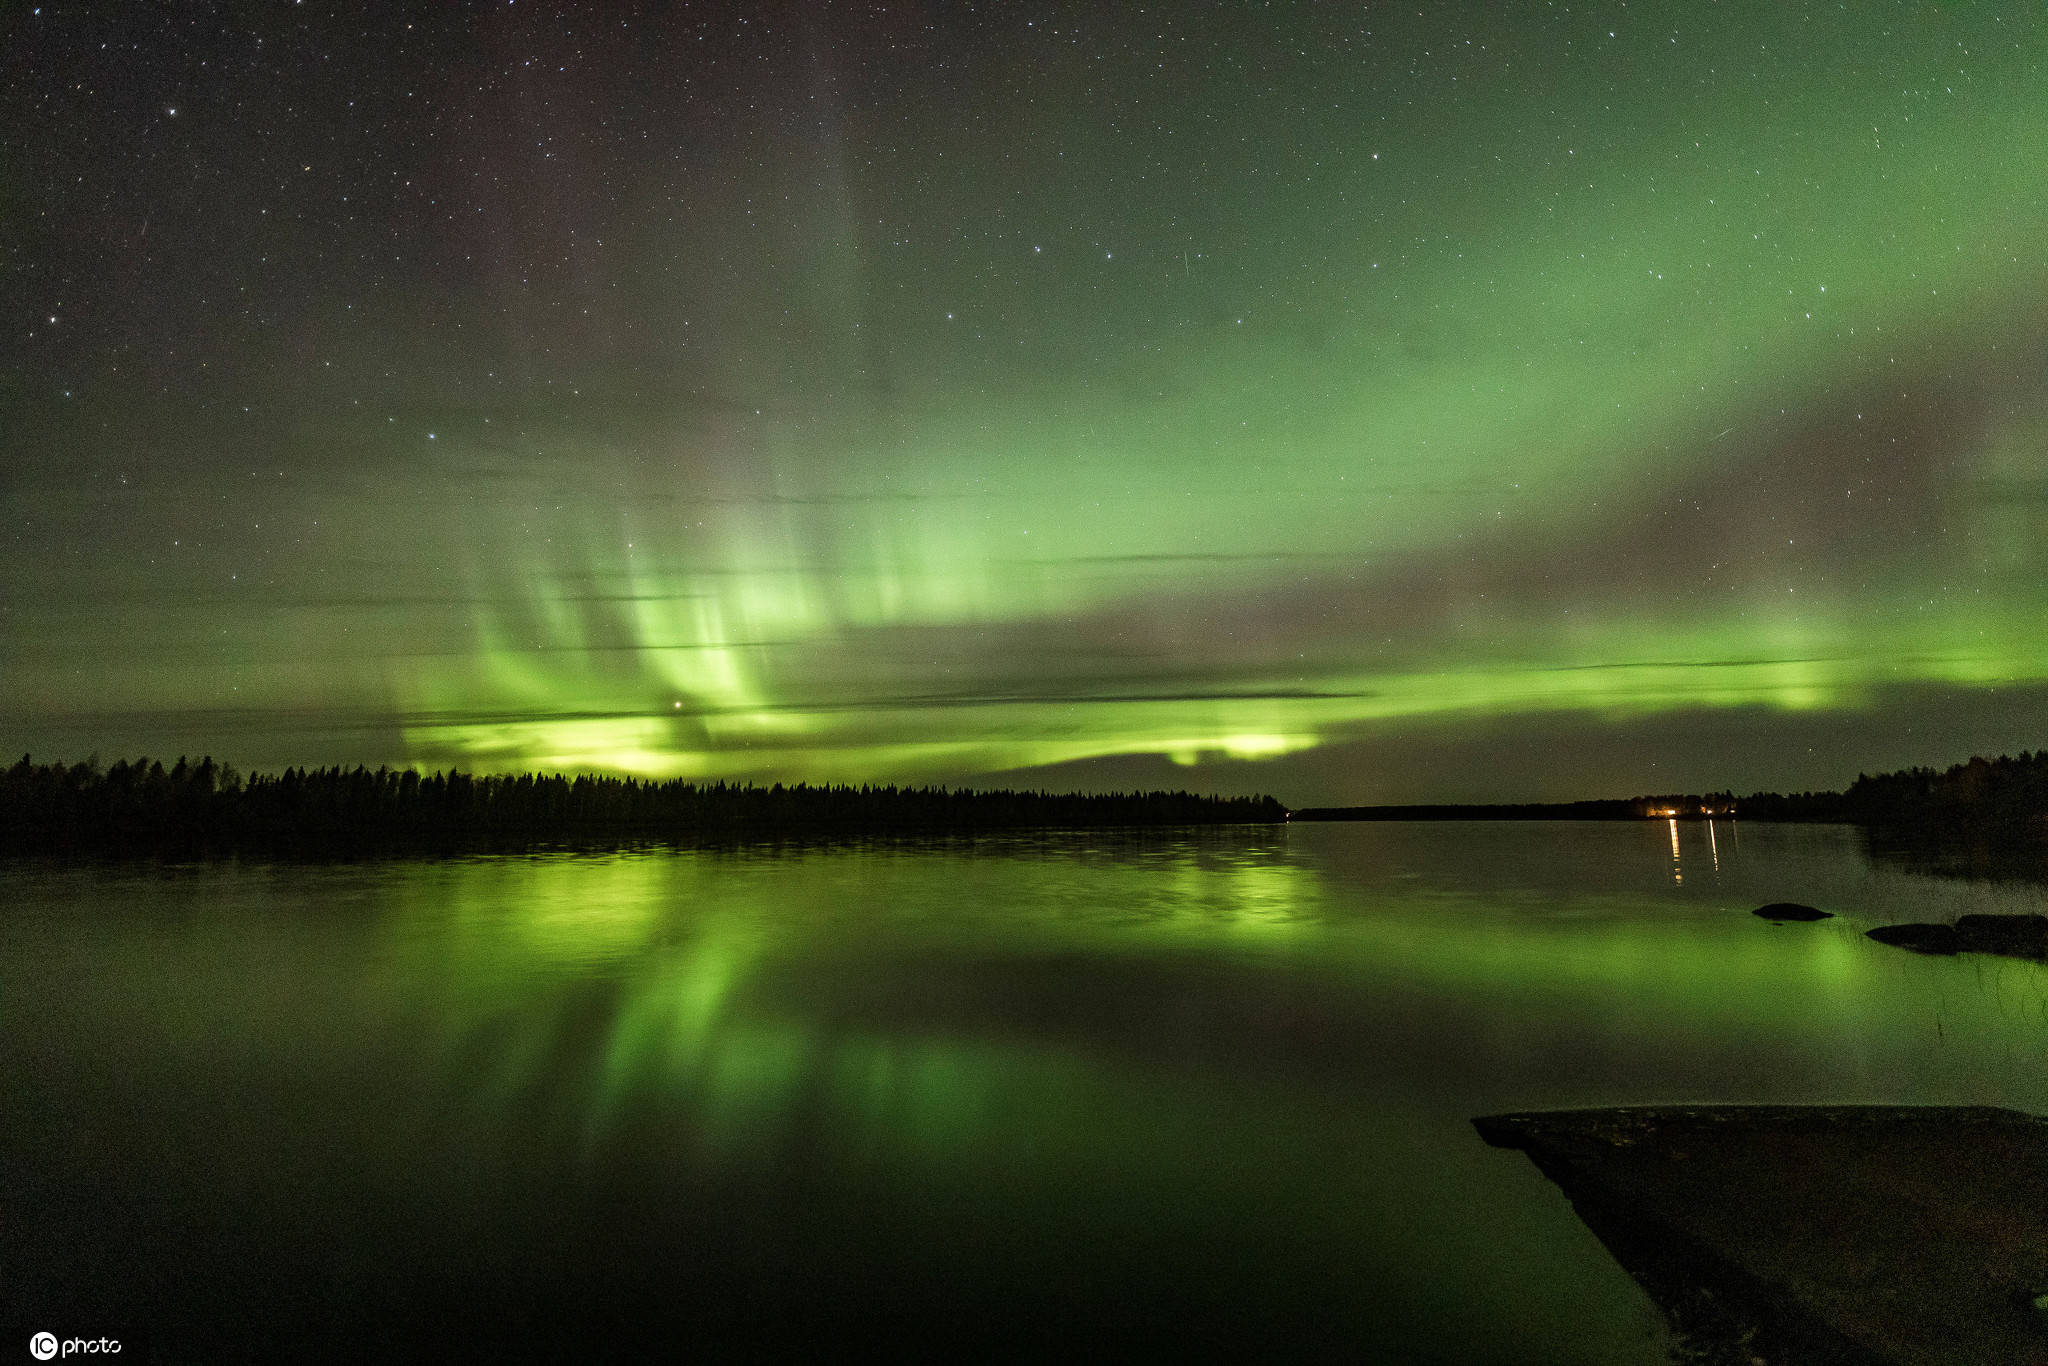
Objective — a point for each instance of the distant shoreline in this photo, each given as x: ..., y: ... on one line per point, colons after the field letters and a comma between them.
x: 2001, y: 801
x: 207, y: 807
x: 1504, y: 811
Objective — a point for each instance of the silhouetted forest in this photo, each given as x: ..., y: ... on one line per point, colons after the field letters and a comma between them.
x: 142, y: 804
x: 2005, y: 797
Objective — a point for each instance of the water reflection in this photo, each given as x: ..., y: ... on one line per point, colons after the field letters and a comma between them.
x: 733, y: 1002
x: 734, y: 993
x: 1961, y: 857
x: 1182, y: 1085
x: 1131, y: 1046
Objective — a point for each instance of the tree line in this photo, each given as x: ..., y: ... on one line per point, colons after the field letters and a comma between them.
x: 2007, y: 795
x: 143, y: 803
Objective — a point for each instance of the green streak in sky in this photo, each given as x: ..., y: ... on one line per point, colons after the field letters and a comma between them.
x: 982, y: 579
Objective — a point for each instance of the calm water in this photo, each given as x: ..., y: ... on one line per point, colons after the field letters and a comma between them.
x: 1205, y: 1094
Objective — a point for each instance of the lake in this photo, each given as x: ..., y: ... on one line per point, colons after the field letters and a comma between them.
x: 1204, y: 1093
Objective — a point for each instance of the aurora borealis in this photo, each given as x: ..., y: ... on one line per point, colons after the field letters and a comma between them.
x: 1351, y: 403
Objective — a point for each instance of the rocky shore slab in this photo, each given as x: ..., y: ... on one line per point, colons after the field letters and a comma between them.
x: 1872, y: 1236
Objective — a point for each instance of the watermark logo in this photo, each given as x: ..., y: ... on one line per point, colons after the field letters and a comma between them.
x: 43, y: 1346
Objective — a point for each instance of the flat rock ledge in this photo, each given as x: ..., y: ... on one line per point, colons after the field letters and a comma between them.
x: 1818, y: 1235
x: 2013, y: 936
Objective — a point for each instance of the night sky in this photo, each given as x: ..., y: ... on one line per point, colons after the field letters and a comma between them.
x: 1355, y: 403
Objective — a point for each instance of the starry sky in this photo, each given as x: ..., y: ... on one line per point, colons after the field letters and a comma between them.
x: 1356, y: 403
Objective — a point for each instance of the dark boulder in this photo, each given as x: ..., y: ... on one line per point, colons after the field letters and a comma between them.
x: 1790, y: 910
x: 2020, y: 936
x: 1919, y: 938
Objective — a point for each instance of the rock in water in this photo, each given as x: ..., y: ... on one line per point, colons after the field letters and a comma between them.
x: 2018, y: 936
x: 2015, y: 936
x: 1919, y: 938
x: 1790, y: 910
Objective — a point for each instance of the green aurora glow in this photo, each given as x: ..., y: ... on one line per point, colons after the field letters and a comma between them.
x: 1280, y: 402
